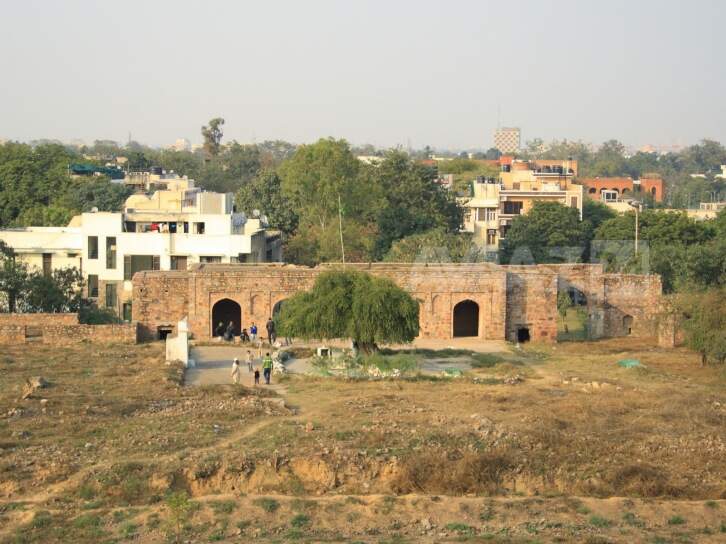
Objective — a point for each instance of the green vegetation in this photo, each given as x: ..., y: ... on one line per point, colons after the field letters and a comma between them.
x: 267, y: 504
x: 352, y: 304
x: 600, y: 522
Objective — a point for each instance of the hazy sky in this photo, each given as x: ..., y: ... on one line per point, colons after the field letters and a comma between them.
x: 381, y: 72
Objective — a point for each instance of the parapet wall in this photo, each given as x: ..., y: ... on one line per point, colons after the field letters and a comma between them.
x: 61, y: 329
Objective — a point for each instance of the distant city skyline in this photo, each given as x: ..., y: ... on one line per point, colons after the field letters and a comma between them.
x: 419, y: 73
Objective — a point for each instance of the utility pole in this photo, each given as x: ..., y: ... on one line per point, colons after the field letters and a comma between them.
x: 340, y: 228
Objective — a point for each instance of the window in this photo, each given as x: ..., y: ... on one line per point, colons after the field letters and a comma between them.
x: 481, y: 214
x: 93, y: 247
x: 47, y: 264
x: 198, y: 228
x: 573, y: 202
x: 93, y: 286
x: 178, y: 262
x: 512, y: 208
x: 139, y: 263
x: 491, y: 237
x: 515, y: 186
x: 210, y: 259
x: 491, y: 214
x: 110, y: 295
x: 110, y: 252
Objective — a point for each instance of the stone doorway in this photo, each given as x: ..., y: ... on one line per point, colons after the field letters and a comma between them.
x: 224, y: 311
x: 466, y: 319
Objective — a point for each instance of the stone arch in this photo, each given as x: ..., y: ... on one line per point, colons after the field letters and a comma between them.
x: 434, y: 300
x: 254, y: 300
x: 277, y: 307
x: 224, y: 311
x: 466, y: 319
x: 652, y: 191
x: 616, y: 190
x: 592, y: 190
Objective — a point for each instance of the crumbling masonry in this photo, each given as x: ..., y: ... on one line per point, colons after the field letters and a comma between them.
x: 483, y: 300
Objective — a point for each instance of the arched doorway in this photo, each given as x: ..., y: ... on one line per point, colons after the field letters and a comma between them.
x: 466, y: 319
x: 627, y: 324
x: 277, y: 308
x: 224, y: 311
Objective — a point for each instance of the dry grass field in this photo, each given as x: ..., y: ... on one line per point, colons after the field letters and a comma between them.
x: 553, y: 444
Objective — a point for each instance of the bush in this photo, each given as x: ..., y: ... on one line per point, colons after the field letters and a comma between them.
x: 267, y: 504
x: 90, y: 314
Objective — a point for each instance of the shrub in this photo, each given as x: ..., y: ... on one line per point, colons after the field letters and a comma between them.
x: 299, y: 521
x: 598, y: 521
x: 267, y: 504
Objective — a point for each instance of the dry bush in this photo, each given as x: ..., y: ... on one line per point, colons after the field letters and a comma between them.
x: 452, y: 473
x: 641, y: 480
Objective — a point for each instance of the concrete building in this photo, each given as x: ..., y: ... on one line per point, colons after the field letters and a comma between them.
x: 181, y: 144
x: 507, y: 139
x: 611, y: 189
x: 166, y: 230
x: 495, y: 202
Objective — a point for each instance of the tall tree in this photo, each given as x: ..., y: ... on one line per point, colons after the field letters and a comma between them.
x: 13, y: 277
x: 212, y: 134
x: 264, y: 193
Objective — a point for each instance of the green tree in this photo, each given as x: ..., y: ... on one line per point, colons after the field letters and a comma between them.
x: 564, y: 302
x: 549, y: 232
x: 13, y: 277
x: 320, y: 181
x: 212, y: 134
x: 435, y: 245
x: 413, y: 202
x: 264, y: 193
x: 355, y: 305
x: 57, y: 292
x: 705, y: 323
x: 179, y: 509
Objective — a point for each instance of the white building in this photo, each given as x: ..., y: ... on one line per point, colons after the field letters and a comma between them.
x: 507, y: 139
x: 181, y: 144
x: 167, y: 230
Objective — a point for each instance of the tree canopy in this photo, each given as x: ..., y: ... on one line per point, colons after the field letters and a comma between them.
x: 548, y: 233
x: 352, y: 304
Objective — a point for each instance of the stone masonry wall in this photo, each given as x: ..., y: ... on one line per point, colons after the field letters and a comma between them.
x: 38, y: 320
x: 60, y: 329
x: 508, y: 297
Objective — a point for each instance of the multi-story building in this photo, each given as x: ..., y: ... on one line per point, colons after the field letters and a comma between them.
x: 495, y: 202
x: 610, y: 189
x: 507, y: 139
x: 165, y: 230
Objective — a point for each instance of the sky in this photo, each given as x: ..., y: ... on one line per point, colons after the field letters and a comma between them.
x: 393, y: 72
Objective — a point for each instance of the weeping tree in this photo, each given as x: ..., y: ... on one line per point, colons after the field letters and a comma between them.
x: 355, y: 305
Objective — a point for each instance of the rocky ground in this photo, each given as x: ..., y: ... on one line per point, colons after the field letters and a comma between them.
x: 551, y: 444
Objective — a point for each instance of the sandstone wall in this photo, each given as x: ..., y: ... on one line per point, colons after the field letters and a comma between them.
x: 59, y: 329
x: 38, y: 319
x: 509, y: 298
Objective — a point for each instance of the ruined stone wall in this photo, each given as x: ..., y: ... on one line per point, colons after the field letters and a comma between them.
x: 631, y: 304
x: 61, y: 329
x: 38, y: 320
x: 509, y: 298
x: 159, y: 300
x: 531, y: 303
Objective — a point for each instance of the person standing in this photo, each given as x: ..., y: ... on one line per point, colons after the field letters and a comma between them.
x: 229, y: 333
x: 249, y: 361
x: 253, y: 331
x: 235, y: 371
x: 219, y: 331
x: 267, y: 368
x: 271, y: 334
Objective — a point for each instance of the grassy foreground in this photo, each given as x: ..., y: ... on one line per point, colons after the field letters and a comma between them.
x: 556, y: 444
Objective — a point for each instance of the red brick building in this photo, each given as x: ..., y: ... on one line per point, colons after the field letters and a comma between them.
x: 625, y: 186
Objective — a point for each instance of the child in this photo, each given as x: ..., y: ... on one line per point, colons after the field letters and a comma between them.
x: 257, y: 376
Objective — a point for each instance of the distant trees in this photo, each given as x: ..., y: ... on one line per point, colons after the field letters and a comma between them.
x: 355, y: 305
x: 704, y: 323
x: 434, y: 246
x: 264, y: 193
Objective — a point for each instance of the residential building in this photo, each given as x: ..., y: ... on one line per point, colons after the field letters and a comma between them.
x: 616, y: 188
x: 507, y: 139
x: 181, y: 144
x: 495, y: 202
x: 169, y: 229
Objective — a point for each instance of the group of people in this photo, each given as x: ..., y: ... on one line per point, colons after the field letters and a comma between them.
x: 266, y: 368
x: 229, y: 332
